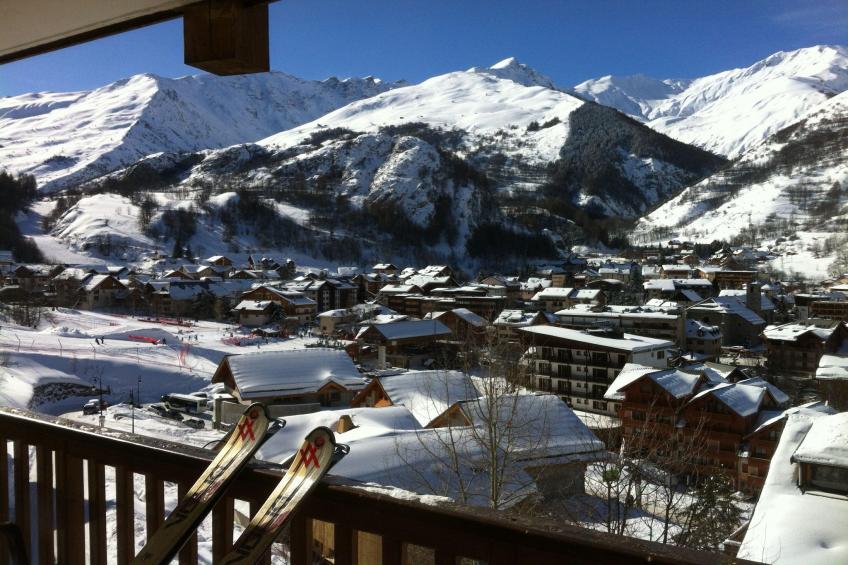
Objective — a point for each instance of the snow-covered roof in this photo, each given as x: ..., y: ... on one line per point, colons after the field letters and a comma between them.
x: 541, y: 425
x: 553, y: 293
x: 745, y: 400
x: 93, y: 281
x: 826, y: 443
x: 628, y: 342
x: 670, y: 285
x: 778, y: 395
x: 515, y: 318
x: 791, y: 332
x: 469, y: 316
x: 834, y: 365
x: 292, y: 372
x: 700, y: 330
x: 791, y: 526
x: 409, y: 329
x: 427, y: 394
x: 730, y: 305
x: 668, y: 312
x: 257, y: 305
x: 677, y: 382
x: 765, y: 302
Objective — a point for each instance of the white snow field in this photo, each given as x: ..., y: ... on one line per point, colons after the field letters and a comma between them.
x: 731, y: 111
x: 69, y: 137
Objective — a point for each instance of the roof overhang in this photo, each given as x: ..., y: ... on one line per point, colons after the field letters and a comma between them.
x: 220, y: 36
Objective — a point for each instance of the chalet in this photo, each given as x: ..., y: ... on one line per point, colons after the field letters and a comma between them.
x: 703, y: 342
x: 797, y: 348
x: 333, y: 321
x: 680, y: 290
x: 178, y: 274
x: 676, y: 272
x: 551, y: 442
x: 509, y: 322
x: 557, y: 275
x: 622, y: 272
x: 484, y: 300
x: 385, y: 269
x: 753, y: 298
x: 556, y: 298
x: 726, y: 278
x: 317, y: 376
x: 435, y: 271
x: 427, y: 282
x: 294, y: 304
x: 801, y: 515
x: 403, y: 344
x: 67, y: 284
x: 328, y: 294
x: 426, y: 394
x: 101, y: 291
x: 370, y: 284
x: 220, y: 261
x: 739, y: 324
x: 255, y: 313
x: 465, y: 325
x: 832, y: 376
x: 580, y: 365
x: 35, y: 278
x: 511, y: 285
x: 697, y: 407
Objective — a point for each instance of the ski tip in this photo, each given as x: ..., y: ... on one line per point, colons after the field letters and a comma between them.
x: 254, y: 410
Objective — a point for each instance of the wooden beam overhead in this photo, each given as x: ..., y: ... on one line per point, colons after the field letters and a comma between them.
x: 236, y: 41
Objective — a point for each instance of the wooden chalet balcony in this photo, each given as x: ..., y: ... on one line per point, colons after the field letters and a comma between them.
x: 76, y: 456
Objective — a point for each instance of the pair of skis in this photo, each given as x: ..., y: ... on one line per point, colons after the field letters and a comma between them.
x: 310, y: 463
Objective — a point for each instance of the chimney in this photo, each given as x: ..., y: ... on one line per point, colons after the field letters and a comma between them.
x: 344, y: 424
x: 753, y: 300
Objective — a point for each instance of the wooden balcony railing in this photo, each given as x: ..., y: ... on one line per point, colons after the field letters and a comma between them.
x: 347, y: 524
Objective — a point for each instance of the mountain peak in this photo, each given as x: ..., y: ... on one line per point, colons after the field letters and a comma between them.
x: 509, y: 62
x: 511, y: 69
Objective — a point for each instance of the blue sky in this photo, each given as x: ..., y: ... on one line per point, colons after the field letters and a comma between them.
x: 570, y: 41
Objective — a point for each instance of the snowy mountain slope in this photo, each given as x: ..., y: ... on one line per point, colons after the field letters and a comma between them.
x: 731, y: 111
x: 795, y: 181
x: 431, y: 163
x: 66, y: 138
x: 494, y: 149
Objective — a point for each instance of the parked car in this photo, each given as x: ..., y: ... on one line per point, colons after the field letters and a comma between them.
x: 93, y: 406
x: 195, y: 423
x: 161, y: 410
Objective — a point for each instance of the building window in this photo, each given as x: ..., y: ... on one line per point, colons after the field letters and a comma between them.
x: 829, y: 478
x: 660, y: 354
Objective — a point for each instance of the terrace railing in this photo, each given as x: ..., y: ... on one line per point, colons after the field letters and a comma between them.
x: 62, y: 511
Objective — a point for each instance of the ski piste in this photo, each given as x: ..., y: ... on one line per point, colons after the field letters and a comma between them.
x: 310, y: 463
x: 241, y: 443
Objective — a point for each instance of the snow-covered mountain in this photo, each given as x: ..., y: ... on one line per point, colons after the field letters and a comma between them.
x: 456, y: 163
x: 731, y: 111
x: 67, y: 138
x: 793, y: 187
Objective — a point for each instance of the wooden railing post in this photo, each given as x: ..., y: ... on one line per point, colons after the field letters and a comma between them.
x: 343, y: 545
x: 21, y: 453
x: 222, y: 528
x: 44, y: 469
x: 188, y: 554
x: 392, y: 551
x: 69, y: 509
x: 4, y: 479
x: 125, y: 514
x: 97, y: 511
x: 300, y: 547
x: 154, y: 503
x: 255, y: 505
